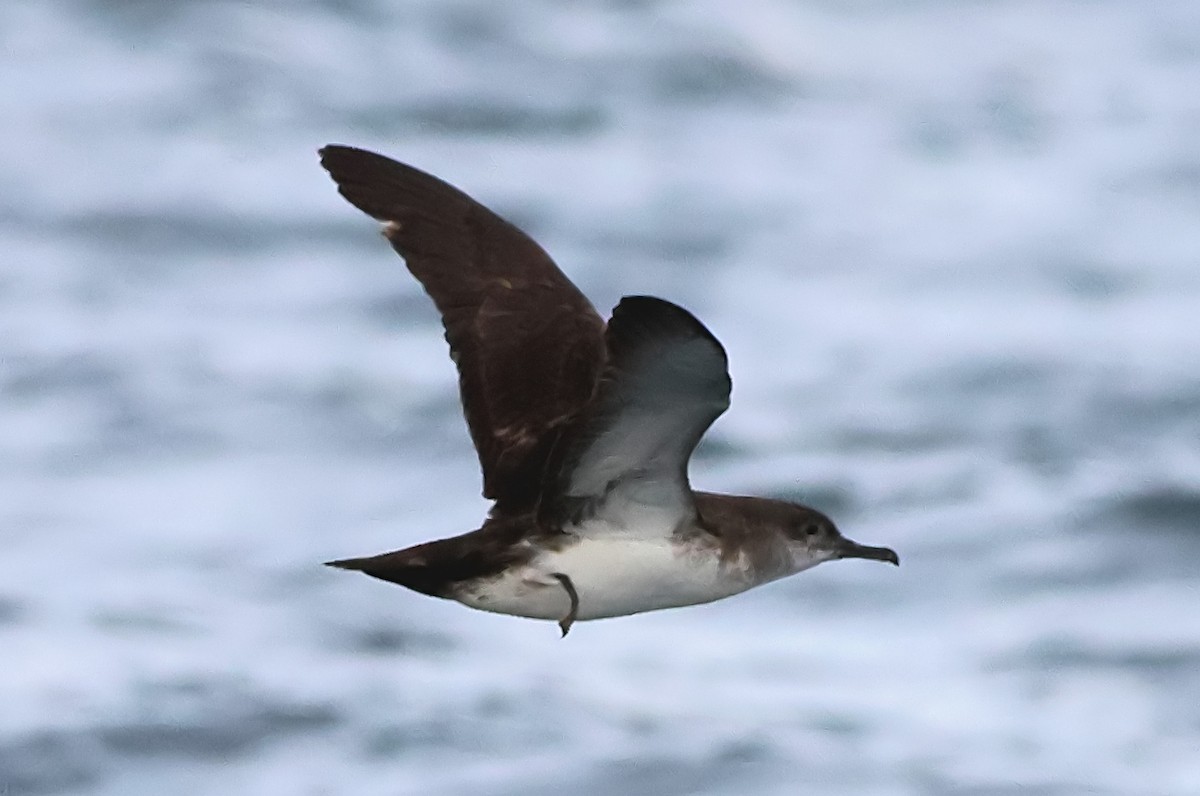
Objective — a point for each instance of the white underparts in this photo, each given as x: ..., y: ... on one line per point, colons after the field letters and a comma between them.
x: 614, y: 575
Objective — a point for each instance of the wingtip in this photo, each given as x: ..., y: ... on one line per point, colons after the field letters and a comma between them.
x: 344, y: 563
x: 658, y: 312
x: 376, y: 184
x: 655, y: 318
x: 330, y: 152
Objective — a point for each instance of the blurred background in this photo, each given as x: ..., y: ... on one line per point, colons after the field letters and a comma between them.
x: 952, y: 248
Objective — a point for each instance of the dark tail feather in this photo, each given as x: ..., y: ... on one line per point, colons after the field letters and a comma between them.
x: 348, y: 563
x: 404, y: 567
x: 436, y: 568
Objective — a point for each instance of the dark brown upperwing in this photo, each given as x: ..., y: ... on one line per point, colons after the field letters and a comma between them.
x: 528, y: 345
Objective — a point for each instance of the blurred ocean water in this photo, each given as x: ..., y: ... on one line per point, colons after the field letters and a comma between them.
x: 952, y: 248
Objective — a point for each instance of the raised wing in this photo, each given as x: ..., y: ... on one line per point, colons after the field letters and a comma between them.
x: 625, y: 462
x: 528, y: 345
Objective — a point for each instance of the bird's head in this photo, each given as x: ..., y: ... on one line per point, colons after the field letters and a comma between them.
x: 812, y: 538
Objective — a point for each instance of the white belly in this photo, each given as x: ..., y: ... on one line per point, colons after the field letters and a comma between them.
x: 614, y: 576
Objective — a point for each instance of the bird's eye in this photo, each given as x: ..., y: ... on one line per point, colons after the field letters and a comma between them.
x: 812, y: 529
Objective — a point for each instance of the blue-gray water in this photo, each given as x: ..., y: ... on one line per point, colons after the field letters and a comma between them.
x: 953, y: 249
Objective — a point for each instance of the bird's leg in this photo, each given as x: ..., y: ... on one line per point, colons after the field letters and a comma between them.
x: 568, y: 620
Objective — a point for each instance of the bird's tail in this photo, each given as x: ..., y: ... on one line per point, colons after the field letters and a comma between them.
x: 406, y: 567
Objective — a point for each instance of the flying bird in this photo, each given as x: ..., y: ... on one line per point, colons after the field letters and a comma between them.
x: 583, y: 428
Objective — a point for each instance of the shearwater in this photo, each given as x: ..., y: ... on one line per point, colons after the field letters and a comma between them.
x: 584, y: 429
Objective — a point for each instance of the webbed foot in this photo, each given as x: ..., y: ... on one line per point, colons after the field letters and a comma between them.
x: 568, y: 620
